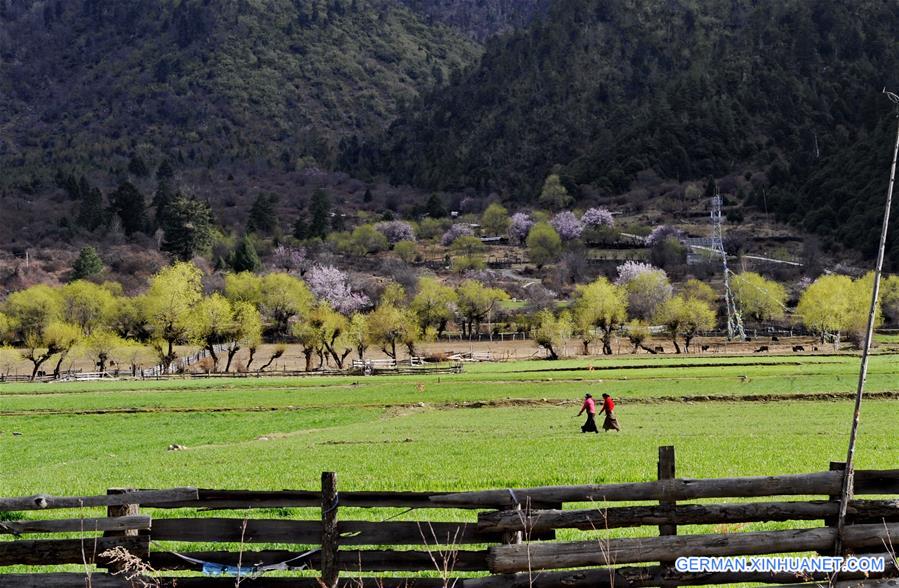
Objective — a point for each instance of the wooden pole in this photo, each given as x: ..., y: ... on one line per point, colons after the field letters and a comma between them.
x: 116, y: 511
x: 514, y: 537
x: 121, y: 510
x: 330, y: 537
x: 505, y: 559
x: 666, y: 471
x: 846, y: 490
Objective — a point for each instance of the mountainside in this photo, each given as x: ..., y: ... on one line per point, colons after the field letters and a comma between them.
x: 86, y: 84
x: 480, y: 18
x: 609, y: 91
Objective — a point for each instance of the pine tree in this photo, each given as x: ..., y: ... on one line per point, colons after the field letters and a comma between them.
x: 165, y: 170
x: 245, y: 258
x: 73, y: 190
x: 128, y: 203
x: 263, y: 217
x: 320, y: 210
x: 300, y: 228
x: 137, y: 167
x: 88, y: 264
x: 90, y: 211
x: 162, y: 199
x: 435, y: 207
x: 187, y: 225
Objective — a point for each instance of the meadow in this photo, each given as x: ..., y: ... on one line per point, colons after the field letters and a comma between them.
x: 494, y: 426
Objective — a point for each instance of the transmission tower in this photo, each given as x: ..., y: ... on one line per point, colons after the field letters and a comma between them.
x: 734, y: 320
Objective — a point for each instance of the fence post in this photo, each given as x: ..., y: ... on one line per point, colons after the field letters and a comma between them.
x: 513, y: 537
x: 125, y: 510
x: 330, y: 569
x: 666, y: 471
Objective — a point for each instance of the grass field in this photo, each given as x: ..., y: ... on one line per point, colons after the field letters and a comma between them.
x: 493, y: 426
x: 82, y: 437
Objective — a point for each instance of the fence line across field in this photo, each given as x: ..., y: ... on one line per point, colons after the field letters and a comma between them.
x: 506, y: 536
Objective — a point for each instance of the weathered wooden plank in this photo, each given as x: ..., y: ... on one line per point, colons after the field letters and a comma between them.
x: 876, y: 482
x: 243, y: 499
x: 676, y: 489
x: 821, y: 483
x: 52, y: 552
x: 63, y: 580
x: 76, y: 525
x: 350, y: 560
x: 222, y: 530
x: 537, y: 556
x: 148, y: 497
x: 860, y: 511
x: 76, y: 580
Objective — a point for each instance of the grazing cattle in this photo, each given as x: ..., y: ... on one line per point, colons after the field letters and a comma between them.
x: 762, y: 349
x: 775, y: 339
x: 705, y: 348
x: 660, y: 349
x: 798, y: 348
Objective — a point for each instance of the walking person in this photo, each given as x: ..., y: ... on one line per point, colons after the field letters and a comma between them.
x: 590, y: 407
x: 608, y: 406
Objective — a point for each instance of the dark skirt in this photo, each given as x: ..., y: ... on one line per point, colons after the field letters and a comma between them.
x: 611, y: 422
x: 590, y: 425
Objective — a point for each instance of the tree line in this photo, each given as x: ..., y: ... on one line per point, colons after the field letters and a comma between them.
x: 331, y: 322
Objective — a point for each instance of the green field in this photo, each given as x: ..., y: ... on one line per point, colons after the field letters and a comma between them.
x: 493, y: 426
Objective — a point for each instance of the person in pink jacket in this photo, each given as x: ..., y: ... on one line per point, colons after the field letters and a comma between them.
x: 590, y: 407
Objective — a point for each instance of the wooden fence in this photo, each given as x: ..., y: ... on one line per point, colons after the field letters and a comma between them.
x: 508, y: 540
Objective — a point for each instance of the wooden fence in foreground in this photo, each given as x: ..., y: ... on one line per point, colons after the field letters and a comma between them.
x: 508, y: 541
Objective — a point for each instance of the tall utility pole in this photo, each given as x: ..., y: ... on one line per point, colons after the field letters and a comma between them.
x: 734, y: 320
x: 849, y: 475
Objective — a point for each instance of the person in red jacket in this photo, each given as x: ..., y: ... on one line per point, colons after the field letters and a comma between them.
x: 590, y: 407
x: 608, y: 405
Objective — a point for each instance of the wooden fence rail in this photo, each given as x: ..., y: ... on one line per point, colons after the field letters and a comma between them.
x: 512, y: 537
x: 693, y: 514
x: 603, y: 552
x: 145, y: 497
x: 816, y: 484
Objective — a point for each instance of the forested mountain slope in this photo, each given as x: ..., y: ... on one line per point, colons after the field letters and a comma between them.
x: 480, y: 18
x: 609, y: 90
x: 86, y: 84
